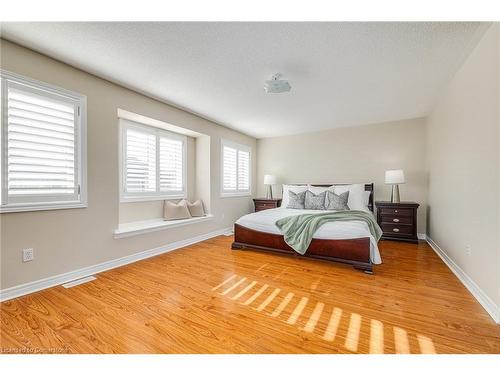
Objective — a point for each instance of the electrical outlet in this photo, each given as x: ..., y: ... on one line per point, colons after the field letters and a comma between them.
x: 28, y: 255
x: 468, y: 250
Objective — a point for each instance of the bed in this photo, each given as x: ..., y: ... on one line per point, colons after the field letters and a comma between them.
x: 346, y: 242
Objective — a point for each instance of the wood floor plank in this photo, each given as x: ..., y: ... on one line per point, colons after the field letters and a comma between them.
x: 207, y: 298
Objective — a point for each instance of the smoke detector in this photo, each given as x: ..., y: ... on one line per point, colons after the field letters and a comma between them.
x: 277, y: 85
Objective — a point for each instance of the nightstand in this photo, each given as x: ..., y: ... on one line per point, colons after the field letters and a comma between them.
x: 265, y: 203
x: 398, y: 220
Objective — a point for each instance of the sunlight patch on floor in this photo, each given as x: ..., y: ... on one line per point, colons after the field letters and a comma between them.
x: 261, y: 267
x: 282, y: 305
x: 426, y: 345
x: 401, y: 341
x: 234, y: 286
x: 333, y: 324
x: 351, y: 341
x: 256, y: 295
x: 223, y: 283
x: 292, y: 319
x: 243, y: 291
x: 268, y: 300
x: 376, y: 337
x: 314, y: 318
x: 352, y: 335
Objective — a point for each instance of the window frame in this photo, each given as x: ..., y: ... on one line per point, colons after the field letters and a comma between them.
x: 158, y: 195
x: 44, y: 202
x: 238, y: 147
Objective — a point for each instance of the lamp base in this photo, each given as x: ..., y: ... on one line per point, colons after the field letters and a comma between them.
x: 269, y: 192
x: 395, y: 194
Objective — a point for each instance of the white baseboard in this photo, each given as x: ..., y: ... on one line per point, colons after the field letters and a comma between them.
x: 488, y: 304
x: 35, y: 286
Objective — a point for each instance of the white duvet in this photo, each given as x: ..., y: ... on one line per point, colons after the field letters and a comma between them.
x: 265, y: 221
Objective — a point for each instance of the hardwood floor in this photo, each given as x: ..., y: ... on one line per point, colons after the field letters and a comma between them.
x: 207, y: 298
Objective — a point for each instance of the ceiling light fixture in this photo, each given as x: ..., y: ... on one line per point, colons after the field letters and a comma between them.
x: 277, y: 85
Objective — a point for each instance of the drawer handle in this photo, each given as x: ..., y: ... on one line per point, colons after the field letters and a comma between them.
x: 396, y: 211
x: 395, y: 230
x: 395, y: 220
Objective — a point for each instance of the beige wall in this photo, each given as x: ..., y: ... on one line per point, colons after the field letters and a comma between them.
x: 353, y: 154
x: 65, y: 240
x: 464, y: 170
x: 203, y: 188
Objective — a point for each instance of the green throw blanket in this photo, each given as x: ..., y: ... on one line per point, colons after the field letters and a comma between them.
x: 298, y: 230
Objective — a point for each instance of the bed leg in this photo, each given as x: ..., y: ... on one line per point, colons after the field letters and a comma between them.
x: 368, y: 269
x: 236, y: 246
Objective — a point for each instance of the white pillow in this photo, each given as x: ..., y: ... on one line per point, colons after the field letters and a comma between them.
x: 319, y: 189
x: 357, y: 196
x: 295, y: 189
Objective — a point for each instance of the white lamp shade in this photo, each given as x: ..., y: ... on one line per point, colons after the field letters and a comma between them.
x: 269, y: 179
x: 395, y: 176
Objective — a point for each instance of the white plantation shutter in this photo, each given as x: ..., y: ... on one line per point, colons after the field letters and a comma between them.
x: 243, y: 170
x: 235, y: 168
x: 229, y: 168
x: 154, y: 162
x: 171, y: 165
x: 40, y: 145
x: 140, y: 162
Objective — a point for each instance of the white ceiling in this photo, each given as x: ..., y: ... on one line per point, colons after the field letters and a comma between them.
x: 342, y: 74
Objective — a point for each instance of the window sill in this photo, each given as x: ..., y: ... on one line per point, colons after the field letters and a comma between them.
x: 148, y: 199
x: 231, y: 195
x: 42, y: 207
x: 141, y: 227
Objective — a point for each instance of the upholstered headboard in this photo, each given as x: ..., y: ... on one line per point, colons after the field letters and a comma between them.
x: 368, y: 187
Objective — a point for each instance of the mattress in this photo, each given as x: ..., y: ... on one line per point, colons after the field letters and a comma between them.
x: 265, y: 221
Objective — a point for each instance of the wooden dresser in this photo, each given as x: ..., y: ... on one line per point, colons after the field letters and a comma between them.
x: 398, y: 220
x: 265, y: 204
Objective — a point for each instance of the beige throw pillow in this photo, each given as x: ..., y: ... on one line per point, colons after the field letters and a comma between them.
x: 176, y: 211
x: 196, y: 208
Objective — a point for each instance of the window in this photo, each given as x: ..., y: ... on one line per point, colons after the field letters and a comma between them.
x: 235, y: 169
x: 43, y: 145
x: 153, y: 163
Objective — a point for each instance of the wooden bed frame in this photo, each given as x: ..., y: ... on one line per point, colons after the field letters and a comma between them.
x: 354, y: 251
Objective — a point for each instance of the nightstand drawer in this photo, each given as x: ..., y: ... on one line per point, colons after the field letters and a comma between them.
x: 263, y: 206
x: 395, y: 229
x: 396, y: 211
x: 390, y: 219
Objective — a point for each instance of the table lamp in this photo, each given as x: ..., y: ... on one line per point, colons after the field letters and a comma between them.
x: 269, y: 180
x: 395, y: 177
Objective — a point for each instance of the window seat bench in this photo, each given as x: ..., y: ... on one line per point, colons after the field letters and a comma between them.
x: 146, y: 226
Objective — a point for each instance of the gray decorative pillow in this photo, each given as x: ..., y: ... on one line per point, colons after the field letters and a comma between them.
x: 315, y: 201
x: 337, y: 202
x: 296, y: 200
